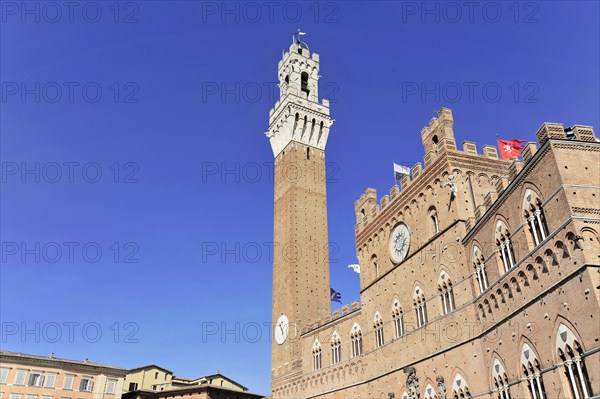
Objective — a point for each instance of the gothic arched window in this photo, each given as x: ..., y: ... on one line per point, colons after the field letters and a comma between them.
x: 500, y: 380
x: 336, y: 348
x: 445, y: 288
x: 534, y: 215
x: 532, y: 371
x: 398, y: 319
x: 420, y: 307
x: 430, y: 392
x: 316, y: 355
x: 460, y: 388
x: 479, y: 265
x: 304, y: 82
x: 434, y: 220
x: 571, y: 353
x: 378, y: 326
x: 356, y: 338
x: 504, y: 245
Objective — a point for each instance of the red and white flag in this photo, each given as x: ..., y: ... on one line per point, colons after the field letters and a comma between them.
x: 510, y: 148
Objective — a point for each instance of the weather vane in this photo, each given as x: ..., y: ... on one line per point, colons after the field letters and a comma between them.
x: 296, y: 37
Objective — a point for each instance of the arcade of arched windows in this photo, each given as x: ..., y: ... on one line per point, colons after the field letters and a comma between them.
x: 513, y: 288
x: 526, y: 375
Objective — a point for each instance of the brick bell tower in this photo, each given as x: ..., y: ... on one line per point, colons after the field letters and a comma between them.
x: 298, y: 130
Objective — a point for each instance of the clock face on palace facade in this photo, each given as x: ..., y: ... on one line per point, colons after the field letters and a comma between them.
x: 399, y: 242
x: 282, y: 328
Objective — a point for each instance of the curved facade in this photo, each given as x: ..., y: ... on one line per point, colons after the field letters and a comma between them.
x: 496, y: 296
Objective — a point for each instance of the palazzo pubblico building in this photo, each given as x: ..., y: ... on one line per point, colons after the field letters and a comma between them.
x: 479, y: 278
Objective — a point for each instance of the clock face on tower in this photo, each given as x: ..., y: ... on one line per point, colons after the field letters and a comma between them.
x: 282, y: 328
x: 399, y: 242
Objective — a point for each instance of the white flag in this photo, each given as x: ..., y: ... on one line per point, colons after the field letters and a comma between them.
x: 400, y: 170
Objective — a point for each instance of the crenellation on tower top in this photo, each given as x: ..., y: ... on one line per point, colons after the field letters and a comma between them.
x: 557, y: 131
x: 513, y: 170
x: 429, y: 158
x: 550, y: 130
x: 501, y: 185
x: 405, y: 182
x: 446, y: 144
x: 439, y: 141
x: 394, y: 192
x: 480, y: 211
x: 469, y: 147
x: 439, y: 130
x: 364, y: 205
x: 490, y: 198
x: 490, y: 151
x: 384, y: 201
x: 584, y: 133
x: 529, y: 151
x: 416, y: 170
x: 298, y: 116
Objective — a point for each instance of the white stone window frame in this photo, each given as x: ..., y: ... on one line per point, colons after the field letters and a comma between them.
x: 480, y: 269
x: 429, y: 392
x: 317, y: 353
x: 445, y: 288
x: 356, y: 338
x: 398, y: 318
x: 571, y: 353
x: 532, y: 370
x: 460, y: 387
x: 336, y: 348
x: 420, y: 306
x: 534, y: 216
x: 504, y: 245
x: 500, y: 378
x: 378, y: 326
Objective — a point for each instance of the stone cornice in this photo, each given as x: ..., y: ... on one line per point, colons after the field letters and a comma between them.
x: 64, y: 364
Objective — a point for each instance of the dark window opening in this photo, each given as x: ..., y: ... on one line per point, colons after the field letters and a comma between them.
x: 295, y: 124
x: 435, y: 139
x: 304, y: 82
x: 287, y: 79
x: 307, y: 152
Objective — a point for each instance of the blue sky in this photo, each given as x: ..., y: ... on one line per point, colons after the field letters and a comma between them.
x: 136, y: 207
